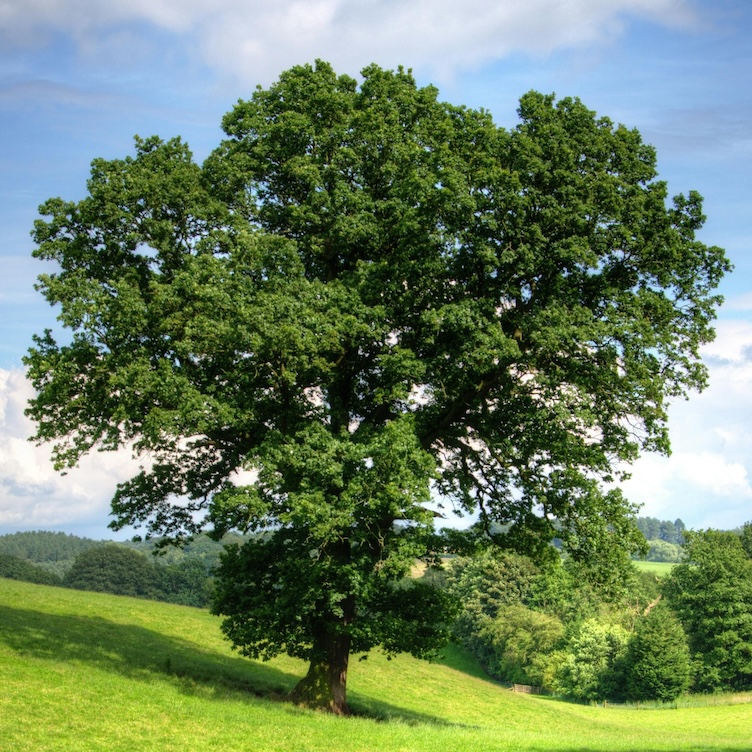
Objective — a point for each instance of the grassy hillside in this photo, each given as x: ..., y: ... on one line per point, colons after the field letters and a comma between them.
x: 85, y: 671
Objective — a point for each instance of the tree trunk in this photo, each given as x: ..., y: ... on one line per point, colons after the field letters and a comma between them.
x: 324, y: 687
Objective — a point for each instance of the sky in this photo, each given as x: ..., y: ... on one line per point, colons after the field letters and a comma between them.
x: 80, y: 78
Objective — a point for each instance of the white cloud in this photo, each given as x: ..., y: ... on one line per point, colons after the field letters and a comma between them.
x: 32, y: 493
x: 732, y: 343
x: 707, y: 480
x: 703, y: 488
x: 254, y: 40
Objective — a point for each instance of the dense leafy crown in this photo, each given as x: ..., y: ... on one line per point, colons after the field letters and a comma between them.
x: 367, y: 297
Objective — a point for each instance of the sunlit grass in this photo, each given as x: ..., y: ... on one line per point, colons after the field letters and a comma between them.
x: 659, y: 567
x: 85, y: 671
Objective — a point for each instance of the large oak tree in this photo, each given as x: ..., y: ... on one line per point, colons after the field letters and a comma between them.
x: 367, y: 298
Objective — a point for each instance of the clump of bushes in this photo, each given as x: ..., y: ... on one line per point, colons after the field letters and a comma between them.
x: 553, y: 628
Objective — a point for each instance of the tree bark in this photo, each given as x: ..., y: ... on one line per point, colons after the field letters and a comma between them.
x: 324, y: 687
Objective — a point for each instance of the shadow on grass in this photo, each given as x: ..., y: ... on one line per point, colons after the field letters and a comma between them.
x: 139, y: 653
x: 134, y: 652
x: 457, y: 658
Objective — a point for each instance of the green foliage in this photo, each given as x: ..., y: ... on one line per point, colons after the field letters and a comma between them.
x: 186, y: 582
x: 54, y: 551
x: 272, y: 607
x: 711, y: 593
x: 16, y: 568
x: 525, y: 625
x: 660, y: 550
x: 119, y: 569
x: 658, y: 664
x: 647, y: 590
x: 366, y: 296
x: 485, y: 583
x: 745, y: 535
x: 523, y: 642
x: 593, y: 668
x: 114, y: 569
x: 43, y: 546
x: 180, y: 575
x: 666, y: 530
x: 565, y: 591
x: 573, y: 592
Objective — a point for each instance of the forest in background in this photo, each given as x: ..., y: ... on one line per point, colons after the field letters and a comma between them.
x: 140, y: 569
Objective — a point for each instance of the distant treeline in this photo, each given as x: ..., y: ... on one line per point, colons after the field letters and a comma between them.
x: 664, y: 537
x: 182, y: 575
x: 654, y: 529
x: 177, y: 575
x: 54, y: 552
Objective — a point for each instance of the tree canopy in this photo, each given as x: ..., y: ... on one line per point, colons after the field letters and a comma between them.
x: 657, y: 664
x: 113, y: 568
x: 711, y: 593
x: 363, y: 300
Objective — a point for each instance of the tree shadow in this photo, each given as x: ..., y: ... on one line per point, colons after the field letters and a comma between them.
x: 143, y: 654
x: 135, y: 652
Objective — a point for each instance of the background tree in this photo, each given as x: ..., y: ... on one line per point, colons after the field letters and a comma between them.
x: 566, y: 591
x: 54, y: 552
x: 745, y: 535
x: 186, y: 582
x: 16, y: 568
x: 114, y: 569
x: 367, y: 296
x: 664, y: 530
x: 711, y: 593
x: 660, y: 550
x: 658, y: 664
x: 594, y: 668
x: 650, y: 527
x: 522, y: 645
x: 484, y: 584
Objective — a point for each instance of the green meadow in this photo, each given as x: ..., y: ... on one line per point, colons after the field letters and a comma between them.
x: 86, y: 671
x: 660, y: 568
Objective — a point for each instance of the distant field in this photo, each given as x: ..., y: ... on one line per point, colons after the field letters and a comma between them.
x: 659, y: 567
x: 86, y: 671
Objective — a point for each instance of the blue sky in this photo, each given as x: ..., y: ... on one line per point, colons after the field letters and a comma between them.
x: 79, y: 80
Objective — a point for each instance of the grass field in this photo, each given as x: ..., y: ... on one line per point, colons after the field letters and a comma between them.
x: 659, y: 567
x: 85, y: 671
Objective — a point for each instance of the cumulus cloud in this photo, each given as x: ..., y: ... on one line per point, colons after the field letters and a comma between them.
x: 32, y: 494
x: 703, y: 488
x: 254, y: 40
x: 707, y: 480
x: 732, y: 342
